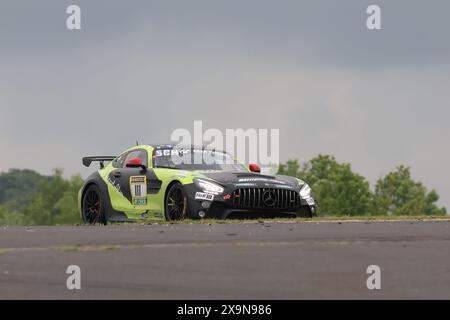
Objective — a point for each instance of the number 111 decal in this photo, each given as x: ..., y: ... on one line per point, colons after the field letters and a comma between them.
x: 138, y: 187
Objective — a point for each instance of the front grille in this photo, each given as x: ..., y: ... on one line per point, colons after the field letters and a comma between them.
x: 265, y: 198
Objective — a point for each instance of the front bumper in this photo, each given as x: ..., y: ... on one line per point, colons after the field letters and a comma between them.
x: 237, y: 205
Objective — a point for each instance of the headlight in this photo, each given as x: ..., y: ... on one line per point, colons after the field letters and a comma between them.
x: 208, y: 186
x: 305, y: 191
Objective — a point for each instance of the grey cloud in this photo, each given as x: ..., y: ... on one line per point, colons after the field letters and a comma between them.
x: 321, y: 31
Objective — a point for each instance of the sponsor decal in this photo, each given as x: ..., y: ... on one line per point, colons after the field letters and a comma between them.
x: 310, y: 201
x: 138, y: 188
x: 245, y: 184
x: 115, y: 185
x: 158, y: 153
x: 166, y: 152
x: 261, y: 179
x: 204, y: 196
x: 278, y: 186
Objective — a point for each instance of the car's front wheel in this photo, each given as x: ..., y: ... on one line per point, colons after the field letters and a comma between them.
x: 307, y: 212
x: 93, y: 208
x: 176, y: 203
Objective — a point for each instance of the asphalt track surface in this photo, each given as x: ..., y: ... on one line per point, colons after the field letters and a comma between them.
x: 312, y: 260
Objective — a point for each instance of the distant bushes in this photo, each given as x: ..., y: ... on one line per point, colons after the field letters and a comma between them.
x: 29, y: 198
x: 340, y: 191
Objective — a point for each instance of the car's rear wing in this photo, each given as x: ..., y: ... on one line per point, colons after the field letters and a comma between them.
x: 88, y: 160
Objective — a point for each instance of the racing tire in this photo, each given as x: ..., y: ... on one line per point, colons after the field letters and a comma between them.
x: 306, y: 212
x: 93, y: 209
x: 175, y: 204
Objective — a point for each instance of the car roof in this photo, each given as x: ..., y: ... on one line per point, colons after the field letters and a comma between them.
x: 171, y: 146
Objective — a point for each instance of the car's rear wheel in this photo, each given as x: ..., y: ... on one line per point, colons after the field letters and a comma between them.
x: 176, y: 203
x: 93, y: 208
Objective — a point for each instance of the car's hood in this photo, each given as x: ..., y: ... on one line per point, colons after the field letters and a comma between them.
x: 249, y: 179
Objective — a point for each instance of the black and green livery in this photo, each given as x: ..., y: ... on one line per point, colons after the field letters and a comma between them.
x: 156, y: 181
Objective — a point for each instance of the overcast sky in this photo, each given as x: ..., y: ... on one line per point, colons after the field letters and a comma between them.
x: 140, y: 69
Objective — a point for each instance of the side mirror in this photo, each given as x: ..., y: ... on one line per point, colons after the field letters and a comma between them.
x: 135, y: 163
x: 254, y: 167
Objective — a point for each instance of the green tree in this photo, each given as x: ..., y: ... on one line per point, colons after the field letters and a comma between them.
x: 55, y: 202
x: 398, y: 194
x: 8, y: 218
x: 338, y: 189
x: 16, y: 186
x: 291, y: 168
x: 67, y: 205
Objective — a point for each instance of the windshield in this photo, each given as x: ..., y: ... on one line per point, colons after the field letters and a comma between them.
x: 195, y: 159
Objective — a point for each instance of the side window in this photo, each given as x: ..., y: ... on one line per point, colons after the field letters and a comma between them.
x: 141, y: 154
x: 119, y: 161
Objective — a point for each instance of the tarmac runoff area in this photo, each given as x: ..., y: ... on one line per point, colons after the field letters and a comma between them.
x: 257, y: 260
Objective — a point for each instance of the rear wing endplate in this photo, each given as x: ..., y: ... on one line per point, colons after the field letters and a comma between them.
x: 88, y: 160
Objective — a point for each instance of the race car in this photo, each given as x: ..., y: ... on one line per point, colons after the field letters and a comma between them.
x: 172, y: 183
